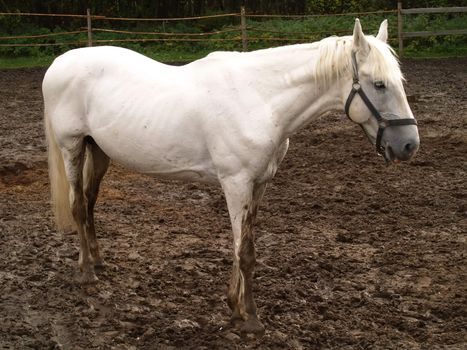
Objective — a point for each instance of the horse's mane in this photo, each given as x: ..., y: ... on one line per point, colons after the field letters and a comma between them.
x: 334, y: 59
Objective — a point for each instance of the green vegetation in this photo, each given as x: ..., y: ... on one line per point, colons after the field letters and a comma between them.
x: 25, y: 62
x: 190, y: 8
x: 262, y: 33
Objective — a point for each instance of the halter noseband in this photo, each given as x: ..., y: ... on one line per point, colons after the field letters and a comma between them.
x: 383, y: 123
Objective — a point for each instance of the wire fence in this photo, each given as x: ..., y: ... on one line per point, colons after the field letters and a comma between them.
x: 241, y: 33
x: 323, y: 15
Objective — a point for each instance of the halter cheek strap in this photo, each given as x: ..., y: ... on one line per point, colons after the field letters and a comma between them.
x: 383, y: 123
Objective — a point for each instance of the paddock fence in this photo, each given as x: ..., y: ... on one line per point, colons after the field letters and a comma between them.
x: 401, y: 35
x: 243, y: 33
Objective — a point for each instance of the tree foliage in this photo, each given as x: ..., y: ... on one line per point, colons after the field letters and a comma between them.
x: 183, y: 8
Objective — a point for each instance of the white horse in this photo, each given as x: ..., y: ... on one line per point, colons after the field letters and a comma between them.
x: 223, y: 119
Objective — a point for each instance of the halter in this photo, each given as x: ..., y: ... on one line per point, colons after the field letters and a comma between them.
x: 383, y: 123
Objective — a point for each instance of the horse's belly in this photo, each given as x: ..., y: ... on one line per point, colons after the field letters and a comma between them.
x: 162, y: 166
x: 163, y: 155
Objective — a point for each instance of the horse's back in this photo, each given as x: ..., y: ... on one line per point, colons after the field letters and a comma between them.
x: 87, y: 63
x: 103, y: 55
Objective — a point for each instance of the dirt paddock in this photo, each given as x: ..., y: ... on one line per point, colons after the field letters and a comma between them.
x: 351, y: 254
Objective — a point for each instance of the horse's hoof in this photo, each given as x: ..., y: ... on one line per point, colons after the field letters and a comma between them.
x: 88, y: 278
x: 99, y: 264
x: 236, y: 320
x: 253, y: 327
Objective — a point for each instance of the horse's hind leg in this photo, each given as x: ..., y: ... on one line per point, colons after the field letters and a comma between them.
x: 95, y: 167
x: 73, y: 156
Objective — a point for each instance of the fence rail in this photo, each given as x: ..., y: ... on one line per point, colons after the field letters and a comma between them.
x: 30, y: 14
x: 435, y: 33
x: 242, y: 29
x: 416, y: 11
x: 433, y: 10
x: 381, y: 12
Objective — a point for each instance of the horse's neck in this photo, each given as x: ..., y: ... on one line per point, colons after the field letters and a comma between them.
x: 293, y: 93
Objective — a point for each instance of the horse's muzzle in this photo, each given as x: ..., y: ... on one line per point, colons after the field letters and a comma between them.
x: 401, y: 151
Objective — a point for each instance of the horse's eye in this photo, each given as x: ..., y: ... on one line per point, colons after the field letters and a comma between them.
x: 379, y: 85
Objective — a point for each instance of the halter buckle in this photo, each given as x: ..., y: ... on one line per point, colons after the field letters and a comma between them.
x: 356, y: 85
x: 383, y: 123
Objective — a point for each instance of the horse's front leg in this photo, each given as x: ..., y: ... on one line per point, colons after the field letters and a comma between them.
x: 243, y: 199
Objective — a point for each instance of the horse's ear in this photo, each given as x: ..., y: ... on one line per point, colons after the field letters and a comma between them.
x: 359, y: 41
x: 383, y: 31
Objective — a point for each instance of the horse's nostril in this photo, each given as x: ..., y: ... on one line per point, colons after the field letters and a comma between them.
x: 410, y: 147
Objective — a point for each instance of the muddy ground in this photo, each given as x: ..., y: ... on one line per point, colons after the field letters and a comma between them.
x: 351, y: 254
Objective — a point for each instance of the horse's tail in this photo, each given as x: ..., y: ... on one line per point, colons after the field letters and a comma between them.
x: 59, y: 185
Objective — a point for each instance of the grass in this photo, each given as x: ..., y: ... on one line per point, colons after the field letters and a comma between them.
x: 25, y: 62
x: 305, y: 30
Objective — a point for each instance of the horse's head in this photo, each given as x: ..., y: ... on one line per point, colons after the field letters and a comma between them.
x: 375, y: 96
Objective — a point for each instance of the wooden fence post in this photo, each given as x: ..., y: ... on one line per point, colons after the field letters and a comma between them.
x: 400, y: 35
x: 243, y: 29
x: 88, y: 16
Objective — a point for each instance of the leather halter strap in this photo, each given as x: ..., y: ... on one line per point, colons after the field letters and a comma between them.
x: 383, y: 122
